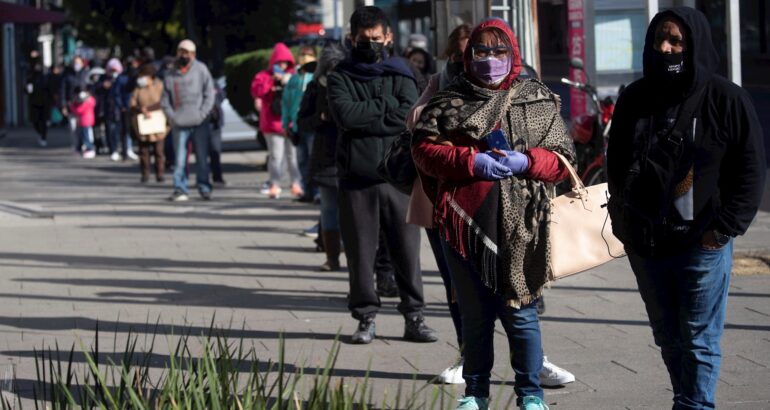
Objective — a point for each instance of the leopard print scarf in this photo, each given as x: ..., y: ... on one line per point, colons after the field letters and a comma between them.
x: 507, y: 240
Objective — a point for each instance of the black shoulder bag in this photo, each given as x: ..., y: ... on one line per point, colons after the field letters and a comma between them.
x: 648, y: 193
x: 397, y: 166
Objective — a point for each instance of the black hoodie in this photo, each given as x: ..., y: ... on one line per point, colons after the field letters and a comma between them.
x: 728, y: 153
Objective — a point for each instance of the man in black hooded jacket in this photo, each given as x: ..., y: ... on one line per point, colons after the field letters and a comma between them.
x: 369, y: 95
x: 686, y: 172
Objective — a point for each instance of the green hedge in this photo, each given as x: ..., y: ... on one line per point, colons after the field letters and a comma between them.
x: 240, y: 70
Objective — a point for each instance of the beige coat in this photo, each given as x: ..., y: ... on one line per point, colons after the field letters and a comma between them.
x: 149, y: 98
x: 420, y: 211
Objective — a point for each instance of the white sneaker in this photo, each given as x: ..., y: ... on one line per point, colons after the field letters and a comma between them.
x: 89, y: 154
x: 130, y: 154
x: 115, y: 156
x: 453, y: 374
x: 265, y: 188
x: 552, y: 375
x: 42, y: 143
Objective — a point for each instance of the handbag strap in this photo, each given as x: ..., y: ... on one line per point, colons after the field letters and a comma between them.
x: 577, y: 183
x: 692, y: 103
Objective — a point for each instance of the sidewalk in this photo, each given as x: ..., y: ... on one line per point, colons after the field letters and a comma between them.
x: 115, y: 251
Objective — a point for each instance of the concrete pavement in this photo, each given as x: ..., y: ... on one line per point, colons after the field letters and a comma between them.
x: 115, y: 251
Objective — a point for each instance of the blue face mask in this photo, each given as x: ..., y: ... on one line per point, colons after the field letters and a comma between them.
x: 277, y: 69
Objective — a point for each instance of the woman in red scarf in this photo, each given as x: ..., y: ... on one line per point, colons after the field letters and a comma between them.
x: 492, y: 206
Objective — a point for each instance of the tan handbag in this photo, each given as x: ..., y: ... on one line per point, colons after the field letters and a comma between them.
x: 581, y: 232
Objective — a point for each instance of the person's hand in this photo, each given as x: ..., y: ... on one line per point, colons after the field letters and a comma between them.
x: 64, y: 111
x: 517, y: 162
x: 487, y: 167
x: 709, y: 241
x: 145, y: 112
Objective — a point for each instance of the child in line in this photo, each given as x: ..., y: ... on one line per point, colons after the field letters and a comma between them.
x: 83, y: 108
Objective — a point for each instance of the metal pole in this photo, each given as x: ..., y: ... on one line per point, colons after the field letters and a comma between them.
x: 536, y: 38
x: 337, y: 29
x: 652, y: 9
x: 734, y: 41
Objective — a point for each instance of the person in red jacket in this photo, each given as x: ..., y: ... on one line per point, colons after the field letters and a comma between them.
x: 267, y: 88
x: 82, y: 107
x: 492, y: 205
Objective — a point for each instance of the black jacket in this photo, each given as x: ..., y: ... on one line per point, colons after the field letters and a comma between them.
x: 314, y: 116
x: 727, y: 153
x: 71, y: 81
x: 369, y: 113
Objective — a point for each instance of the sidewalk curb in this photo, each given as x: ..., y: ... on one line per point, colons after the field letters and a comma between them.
x: 26, y: 211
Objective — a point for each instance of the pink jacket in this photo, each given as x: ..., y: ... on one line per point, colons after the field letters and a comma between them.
x: 262, y: 89
x: 85, y: 112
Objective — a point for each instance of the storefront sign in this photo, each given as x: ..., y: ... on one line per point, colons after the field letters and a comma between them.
x: 576, y: 38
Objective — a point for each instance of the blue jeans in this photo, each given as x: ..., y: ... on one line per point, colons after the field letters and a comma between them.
x: 479, y: 308
x: 329, y: 210
x: 304, y: 151
x: 85, y: 137
x: 113, y: 135
x: 200, y: 138
x: 685, y: 296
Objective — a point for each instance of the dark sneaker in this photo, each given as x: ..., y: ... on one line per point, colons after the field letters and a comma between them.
x: 160, y: 179
x: 416, y: 330
x: 178, y: 196
x: 144, y: 179
x: 365, y: 332
x: 206, y: 195
x: 386, y: 286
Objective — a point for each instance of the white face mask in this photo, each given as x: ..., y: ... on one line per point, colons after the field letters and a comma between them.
x: 142, y: 82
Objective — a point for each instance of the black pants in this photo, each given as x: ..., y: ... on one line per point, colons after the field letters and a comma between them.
x: 125, y: 133
x: 362, y: 213
x: 215, y: 154
x: 39, y: 118
x: 382, y: 264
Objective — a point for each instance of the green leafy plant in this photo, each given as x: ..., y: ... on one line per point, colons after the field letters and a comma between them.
x: 224, y: 374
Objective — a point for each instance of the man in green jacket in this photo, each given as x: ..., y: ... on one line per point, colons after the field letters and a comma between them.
x: 369, y: 95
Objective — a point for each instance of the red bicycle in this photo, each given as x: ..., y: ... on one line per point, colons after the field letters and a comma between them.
x: 591, y: 131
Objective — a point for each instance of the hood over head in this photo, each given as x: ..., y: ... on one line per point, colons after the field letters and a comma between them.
x: 700, y: 56
x: 115, y: 65
x: 331, y: 55
x: 281, y: 53
x: 500, y: 24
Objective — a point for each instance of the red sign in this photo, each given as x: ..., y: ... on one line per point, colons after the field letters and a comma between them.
x: 308, y: 29
x: 576, y: 39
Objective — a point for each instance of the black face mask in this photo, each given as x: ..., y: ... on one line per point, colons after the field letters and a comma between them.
x: 368, y: 51
x: 668, y: 68
x: 182, y: 62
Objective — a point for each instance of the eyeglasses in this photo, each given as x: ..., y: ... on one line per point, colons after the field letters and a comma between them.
x: 498, y: 52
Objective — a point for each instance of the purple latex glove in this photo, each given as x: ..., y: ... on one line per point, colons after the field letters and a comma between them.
x: 487, y: 167
x: 517, y: 162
